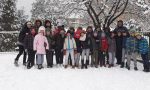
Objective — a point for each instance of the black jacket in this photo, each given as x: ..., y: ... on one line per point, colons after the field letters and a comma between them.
x: 28, y: 41
x: 23, y: 32
x: 59, y: 41
x: 87, y: 44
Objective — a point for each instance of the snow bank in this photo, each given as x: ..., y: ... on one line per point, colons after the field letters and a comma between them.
x: 13, y: 78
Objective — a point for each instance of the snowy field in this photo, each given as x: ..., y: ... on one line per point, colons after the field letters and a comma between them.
x: 19, y: 78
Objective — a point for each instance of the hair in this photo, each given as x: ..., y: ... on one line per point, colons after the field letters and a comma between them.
x: 47, y: 21
x: 38, y: 21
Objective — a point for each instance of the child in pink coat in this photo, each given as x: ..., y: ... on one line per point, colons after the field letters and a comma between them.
x: 40, y: 46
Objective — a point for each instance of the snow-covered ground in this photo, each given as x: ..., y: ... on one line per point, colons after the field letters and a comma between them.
x: 19, y: 78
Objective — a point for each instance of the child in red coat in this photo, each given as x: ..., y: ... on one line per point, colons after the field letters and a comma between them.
x: 103, y: 49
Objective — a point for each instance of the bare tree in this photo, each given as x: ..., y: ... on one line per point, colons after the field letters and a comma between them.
x: 104, y: 12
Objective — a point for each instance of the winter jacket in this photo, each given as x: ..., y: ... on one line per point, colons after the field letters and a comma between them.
x: 118, y: 43
x: 121, y: 29
x: 132, y: 44
x: 69, y: 44
x: 111, y: 45
x: 143, y: 46
x: 28, y: 41
x: 95, y: 43
x: 77, y: 34
x: 104, y: 44
x: 22, y: 34
x: 40, y: 44
x: 51, y: 42
x: 59, y: 41
x: 124, y: 39
x: 86, y: 42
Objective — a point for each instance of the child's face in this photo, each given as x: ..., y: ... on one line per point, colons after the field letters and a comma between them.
x: 29, y: 25
x: 68, y: 34
x: 38, y: 23
x: 138, y: 37
x: 33, y: 31
x: 42, y: 32
x: 48, y: 24
x: 82, y: 34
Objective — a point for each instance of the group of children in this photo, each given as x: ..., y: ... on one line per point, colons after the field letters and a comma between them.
x: 103, y: 46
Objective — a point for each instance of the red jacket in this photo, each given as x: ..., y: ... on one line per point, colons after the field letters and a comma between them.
x: 104, y: 44
x: 77, y: 33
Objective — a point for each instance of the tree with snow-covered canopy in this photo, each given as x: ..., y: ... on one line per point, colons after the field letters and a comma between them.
x: 8, y: 15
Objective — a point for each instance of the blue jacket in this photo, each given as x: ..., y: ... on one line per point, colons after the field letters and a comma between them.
x: 143, y: 46
x: 132, y: 44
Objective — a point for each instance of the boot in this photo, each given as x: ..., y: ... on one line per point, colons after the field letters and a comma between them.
x: 82, y: 62
x: 16, y: 63
x: 39, y: 67
x: 28, y: 65
x: 73, y: 67
x: 109, y: 66
x: 128, y: 68
x: 87, y: 62
x: 135, y: 68
x: 122, y: 65
x: 65, y: 66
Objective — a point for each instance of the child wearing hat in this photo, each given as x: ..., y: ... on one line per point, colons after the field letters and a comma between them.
x: 143, y: 49
x: 40, y: 46
x: 103, y: 49
x: 69, y: 49
x: 132, y: 49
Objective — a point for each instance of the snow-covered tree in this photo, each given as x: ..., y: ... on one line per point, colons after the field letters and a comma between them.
x: 8, y: 15
x: 21, y: 18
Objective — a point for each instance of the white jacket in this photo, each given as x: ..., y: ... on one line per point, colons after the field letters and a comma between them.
x: 72, y: 44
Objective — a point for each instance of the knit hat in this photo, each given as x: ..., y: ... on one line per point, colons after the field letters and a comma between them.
x: 41, y: 28
x: 138, y: 34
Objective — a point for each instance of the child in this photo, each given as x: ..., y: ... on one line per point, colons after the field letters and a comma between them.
x: 78, y: 44
x: 28, y: 45
x: 69, y: 48
x: 50, y: 38
x: 124, y: 52
x: 59, y: 44
x: 132, y: 49
x: 95, y: 43
x: 111, y: 49
x: 143, y: 49
x: 86, y: 45
x: 40, y: 46
x: 103, y: 49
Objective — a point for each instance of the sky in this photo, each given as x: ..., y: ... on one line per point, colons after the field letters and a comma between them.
x: 27, y: 4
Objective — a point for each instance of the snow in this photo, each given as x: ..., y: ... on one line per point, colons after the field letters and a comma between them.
x: 19, y: 78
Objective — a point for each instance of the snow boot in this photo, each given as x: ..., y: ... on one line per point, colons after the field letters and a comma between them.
x: 135, y: 68
x: 82, y: 62
x: 122, y: 65
x: 65, y: 66
x: 87, y: 62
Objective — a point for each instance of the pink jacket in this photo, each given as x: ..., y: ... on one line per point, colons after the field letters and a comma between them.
x: 40, y: 42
